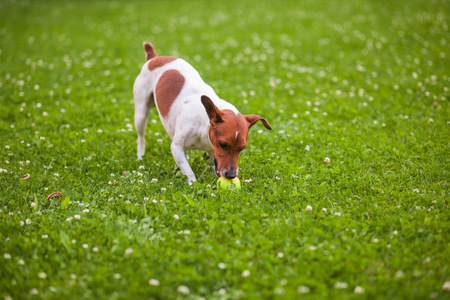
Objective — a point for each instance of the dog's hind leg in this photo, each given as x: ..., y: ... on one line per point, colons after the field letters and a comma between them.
x: 143, y: 101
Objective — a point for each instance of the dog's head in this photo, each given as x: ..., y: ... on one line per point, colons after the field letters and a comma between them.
x: 228, y: 134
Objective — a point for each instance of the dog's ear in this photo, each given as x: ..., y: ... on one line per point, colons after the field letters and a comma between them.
x: 252, y: 119
x: 214, y: 114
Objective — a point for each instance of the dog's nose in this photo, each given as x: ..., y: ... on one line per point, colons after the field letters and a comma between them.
x: 230, y: 174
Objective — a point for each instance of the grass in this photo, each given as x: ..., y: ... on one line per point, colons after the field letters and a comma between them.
x: 364, y: 83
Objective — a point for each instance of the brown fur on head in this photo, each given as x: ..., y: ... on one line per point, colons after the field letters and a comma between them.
x: 228, y: 134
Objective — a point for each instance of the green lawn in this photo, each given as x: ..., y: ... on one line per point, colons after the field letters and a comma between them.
x: 364, y: 83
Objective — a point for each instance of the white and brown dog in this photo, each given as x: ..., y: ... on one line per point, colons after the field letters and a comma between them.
x: 181, y: 97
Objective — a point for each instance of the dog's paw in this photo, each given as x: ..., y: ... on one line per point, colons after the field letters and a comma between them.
x: 191, y: 180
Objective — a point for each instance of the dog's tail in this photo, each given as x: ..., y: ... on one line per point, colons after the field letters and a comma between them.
x: 149, y: 51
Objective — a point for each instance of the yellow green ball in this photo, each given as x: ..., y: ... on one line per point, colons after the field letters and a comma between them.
x: 229, y: 184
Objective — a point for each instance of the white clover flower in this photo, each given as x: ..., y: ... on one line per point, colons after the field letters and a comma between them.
x: 341, y: 285
x: 28, y: 221
x: 85, y: 210
x: 222, y: 266
x: 358, y: 290
x: 128, y: 251
x: 95, y: 249
x: 280, y: 254
x: 308, y: 207
x: 42, y: 275
x: 446, y: 286
x: 21, y: 262
x: 303, y: 289
x: 338, y: 214
x: 7, y: 255
x: 77, y: 217
x: 153, y: 282
x: 85, y: 246
x: 245, y: 273
x: 117, y: 276
x: 33, y: 204
x: 154, y: 180
x: 34, y: 291
x: 312, y: 248
x: 324, y: 209
x: 176, y: 217
x: 307, y: 148
x: 45, y: 236
x: 399, y: 274
x: 182, y: 289
x: 327, y: 159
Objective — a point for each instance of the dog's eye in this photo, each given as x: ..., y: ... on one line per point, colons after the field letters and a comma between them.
x: 223, y: 145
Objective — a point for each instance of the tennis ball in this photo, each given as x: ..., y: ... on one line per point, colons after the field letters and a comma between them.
x: 227, y: 184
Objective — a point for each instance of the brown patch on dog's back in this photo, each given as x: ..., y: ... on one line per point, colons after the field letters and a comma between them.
x: 160, y: 61
x: 167, y: 90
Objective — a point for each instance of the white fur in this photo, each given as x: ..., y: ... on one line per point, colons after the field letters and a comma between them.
x: 187, y: 122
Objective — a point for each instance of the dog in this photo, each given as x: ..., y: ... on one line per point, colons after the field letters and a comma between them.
x: 191, y: 113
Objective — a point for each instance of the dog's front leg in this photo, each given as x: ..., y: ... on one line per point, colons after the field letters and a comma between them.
x: 211, y: 159
x: 179, y: 155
